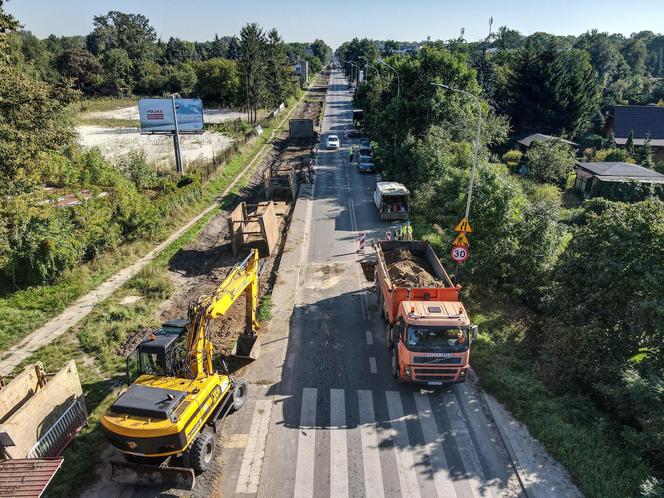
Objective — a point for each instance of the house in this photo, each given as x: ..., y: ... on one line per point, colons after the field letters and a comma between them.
x: 617, y: 181
x: 525, y: 143
x: 642, y: 122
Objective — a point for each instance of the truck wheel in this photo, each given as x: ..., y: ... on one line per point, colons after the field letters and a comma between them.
x: 388, y: 337
x: 202, y: 451
x: 239, y: 394
x: 395, y: 366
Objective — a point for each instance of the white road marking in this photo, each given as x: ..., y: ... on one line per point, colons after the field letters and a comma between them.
x: 373, y: 475
x: 338, y: 445
x: 372, y: 365
x: 252, y: 460
x: 433, y: 448
x: 369, y: 338
x: 399, y: 433
x: 304, y: 469
x: 459, y: 431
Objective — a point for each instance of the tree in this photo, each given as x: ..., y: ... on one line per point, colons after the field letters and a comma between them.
x: 80, y: 66
x: 252, y: 49
x: 322, y: 51
x: 389, y: 47
x: 178, y: 51
x: 218, y: 82
x: 117, y: 30
x: 552, y: 91
x: 32, y: 122
x: 233, y: 52
x: 277, y: 75
x: 644, y: 156
x: 182, y: 79
x: 550, y: 162
x: 119, y: 69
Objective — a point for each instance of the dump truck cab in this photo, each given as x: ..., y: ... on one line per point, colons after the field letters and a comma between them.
x: 430, y: 342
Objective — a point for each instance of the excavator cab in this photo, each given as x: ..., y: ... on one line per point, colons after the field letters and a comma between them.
x: 162, y: 353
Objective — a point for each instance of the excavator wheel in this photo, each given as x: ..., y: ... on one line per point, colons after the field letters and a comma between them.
x: 202, y: 451
x: 239, y: 394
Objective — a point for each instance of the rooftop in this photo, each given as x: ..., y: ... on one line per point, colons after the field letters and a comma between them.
x: 391, y: 188
x: 643, y: 120
x: 540, y: 137
x: 618, y: 171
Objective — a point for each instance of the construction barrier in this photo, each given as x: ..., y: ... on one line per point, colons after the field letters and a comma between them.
x: 363, y: 240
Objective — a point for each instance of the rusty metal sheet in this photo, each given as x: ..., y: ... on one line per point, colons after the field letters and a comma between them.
x: 27, y: 477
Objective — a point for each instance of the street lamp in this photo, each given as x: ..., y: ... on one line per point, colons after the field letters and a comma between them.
x: 477, y: 140
x: 357, y: 71
x: 396, y: 114
x: 381, y: 61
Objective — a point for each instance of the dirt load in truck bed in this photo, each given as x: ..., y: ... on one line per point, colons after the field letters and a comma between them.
x: 408, y: 270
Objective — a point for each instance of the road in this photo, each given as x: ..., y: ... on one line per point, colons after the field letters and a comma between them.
x: 335, y: 423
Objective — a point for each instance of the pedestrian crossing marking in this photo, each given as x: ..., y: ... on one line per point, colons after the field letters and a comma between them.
x: 373, y: 475
x: 306, y: 445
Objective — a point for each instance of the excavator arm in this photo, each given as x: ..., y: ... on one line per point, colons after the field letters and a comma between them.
x: 243, y: 278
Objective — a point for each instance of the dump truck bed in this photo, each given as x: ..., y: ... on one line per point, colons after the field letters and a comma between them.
x: 410, y: 271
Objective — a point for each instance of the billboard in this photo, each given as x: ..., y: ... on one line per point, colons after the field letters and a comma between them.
x: 157, y: 115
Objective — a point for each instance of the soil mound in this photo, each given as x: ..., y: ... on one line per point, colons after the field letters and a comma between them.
x: 408, y: 270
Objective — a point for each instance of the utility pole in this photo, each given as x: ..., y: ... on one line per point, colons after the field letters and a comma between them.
x: 476, y: 150
x: 176, y: 137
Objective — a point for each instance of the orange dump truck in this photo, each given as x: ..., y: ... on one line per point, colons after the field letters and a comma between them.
x: 428, y: 330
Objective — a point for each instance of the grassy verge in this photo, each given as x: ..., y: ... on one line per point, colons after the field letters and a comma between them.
x: 102, y: 104
x: 24, y: 310
x: 264, y: 312
x: 109, y: 123
x: 568, y: 424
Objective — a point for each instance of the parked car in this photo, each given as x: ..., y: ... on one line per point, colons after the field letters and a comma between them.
x: 333, y: 142
x: 354, y: 133
x: 366, y: 151
x: 365, y: 164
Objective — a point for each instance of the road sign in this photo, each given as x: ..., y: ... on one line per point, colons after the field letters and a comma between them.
x: 463, y: 226
x: 461, y: 240
x: 460, y: 253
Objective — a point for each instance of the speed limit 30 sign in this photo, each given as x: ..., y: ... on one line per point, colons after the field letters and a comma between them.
x: 460, y: 253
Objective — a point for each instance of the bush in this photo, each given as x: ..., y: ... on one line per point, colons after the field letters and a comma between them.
x: 512, y: 158
x: 136, y: 169
x: 550, y: 162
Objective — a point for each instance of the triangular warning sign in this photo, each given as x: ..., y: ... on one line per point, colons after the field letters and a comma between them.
x: 463, y: 226
x: 461, y: 240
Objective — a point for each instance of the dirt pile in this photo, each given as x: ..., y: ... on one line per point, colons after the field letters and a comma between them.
x: 408, y: 270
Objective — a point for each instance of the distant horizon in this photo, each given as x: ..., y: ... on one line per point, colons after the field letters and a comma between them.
x: 391, y: 19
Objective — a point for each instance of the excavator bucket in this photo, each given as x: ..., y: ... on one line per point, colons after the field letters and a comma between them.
x: 247, y: 347
x: 152, y: 475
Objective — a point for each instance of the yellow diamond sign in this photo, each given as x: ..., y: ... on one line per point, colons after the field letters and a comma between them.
x: 463, y: 226
x: 461, y: 240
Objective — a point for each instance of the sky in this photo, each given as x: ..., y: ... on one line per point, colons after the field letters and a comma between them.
x: 341, y: 20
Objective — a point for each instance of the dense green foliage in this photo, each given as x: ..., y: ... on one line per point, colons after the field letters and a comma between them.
x: 591, y: 275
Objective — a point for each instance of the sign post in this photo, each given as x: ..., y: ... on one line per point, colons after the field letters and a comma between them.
x: 176, y: 139
x: 461, y: 246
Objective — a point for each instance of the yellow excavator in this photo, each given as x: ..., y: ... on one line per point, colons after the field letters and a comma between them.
x: 176, y: 399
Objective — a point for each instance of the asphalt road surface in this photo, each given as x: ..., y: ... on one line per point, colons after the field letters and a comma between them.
x: 337, y: 424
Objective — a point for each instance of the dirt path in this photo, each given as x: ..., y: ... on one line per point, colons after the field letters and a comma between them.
x: 74, y: 313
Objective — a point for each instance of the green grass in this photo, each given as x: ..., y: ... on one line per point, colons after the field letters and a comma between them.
x: 568, y: 424
x: 264, y: 312
x: 24, y: 310
x: 109, y: 123
x: 103, y: 104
